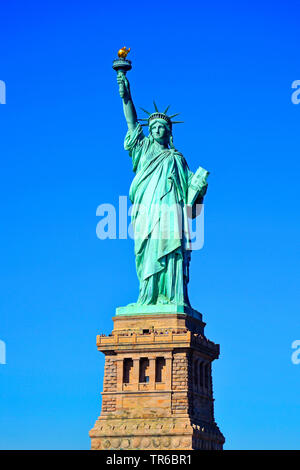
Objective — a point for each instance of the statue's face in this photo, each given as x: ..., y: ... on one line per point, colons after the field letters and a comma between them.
x: 159, y: 132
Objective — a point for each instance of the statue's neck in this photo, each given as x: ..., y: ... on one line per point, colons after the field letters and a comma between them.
x: 161, y: 146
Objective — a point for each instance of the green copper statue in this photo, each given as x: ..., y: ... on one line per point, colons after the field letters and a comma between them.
x: 162, y: 180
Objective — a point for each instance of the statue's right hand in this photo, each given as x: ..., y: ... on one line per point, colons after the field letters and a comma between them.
x: 123, y: 85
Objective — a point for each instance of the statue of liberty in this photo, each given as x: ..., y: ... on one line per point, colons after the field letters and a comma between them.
x: 162, y: 181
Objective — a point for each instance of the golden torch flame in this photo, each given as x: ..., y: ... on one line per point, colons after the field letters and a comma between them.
x: 123, y: 52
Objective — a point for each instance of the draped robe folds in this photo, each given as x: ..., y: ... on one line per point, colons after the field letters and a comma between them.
x: 161, y: 236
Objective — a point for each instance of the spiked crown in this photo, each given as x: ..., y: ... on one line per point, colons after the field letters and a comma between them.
x: 159, y: 115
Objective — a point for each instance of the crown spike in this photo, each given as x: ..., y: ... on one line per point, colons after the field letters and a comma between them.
x: 145, y: 111
x: 167, y: 109
x: 155, y: 107
x: 173, y: 115
x: 177, y: 122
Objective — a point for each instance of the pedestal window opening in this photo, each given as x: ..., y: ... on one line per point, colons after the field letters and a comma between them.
x: 144, y: 370
x: 127, y: 370
x: 160, y: 369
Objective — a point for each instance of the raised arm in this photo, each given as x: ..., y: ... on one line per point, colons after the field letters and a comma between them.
x: 128, y: 106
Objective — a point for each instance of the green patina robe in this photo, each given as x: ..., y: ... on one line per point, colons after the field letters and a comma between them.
x: 161, y: 236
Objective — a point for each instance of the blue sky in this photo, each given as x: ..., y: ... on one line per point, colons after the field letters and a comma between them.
x: 227, y: 67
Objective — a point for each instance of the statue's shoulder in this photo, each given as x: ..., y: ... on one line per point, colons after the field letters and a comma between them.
x: 135, y: 138
x: 178, y: 155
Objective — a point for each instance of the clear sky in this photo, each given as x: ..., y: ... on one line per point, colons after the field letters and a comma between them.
x: 227, y: 67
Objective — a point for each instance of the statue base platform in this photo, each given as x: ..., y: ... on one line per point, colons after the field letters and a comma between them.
x: 157, y: 390
x: 158, y: 309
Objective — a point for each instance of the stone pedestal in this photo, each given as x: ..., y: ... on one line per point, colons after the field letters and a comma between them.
x: 157, y: 391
